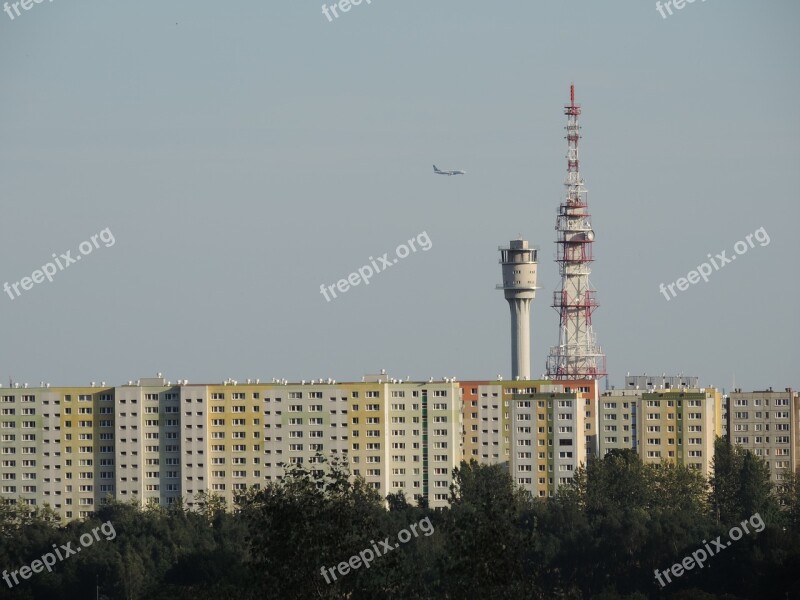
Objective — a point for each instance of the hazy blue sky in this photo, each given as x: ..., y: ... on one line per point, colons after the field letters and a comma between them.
x: 244, y: 153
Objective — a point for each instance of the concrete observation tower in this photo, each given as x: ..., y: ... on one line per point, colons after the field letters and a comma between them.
x: 519, y: 287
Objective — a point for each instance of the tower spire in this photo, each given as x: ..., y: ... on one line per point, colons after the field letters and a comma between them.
x: 577, y: 356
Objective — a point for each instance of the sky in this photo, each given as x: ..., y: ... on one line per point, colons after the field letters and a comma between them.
x: 241, y: 155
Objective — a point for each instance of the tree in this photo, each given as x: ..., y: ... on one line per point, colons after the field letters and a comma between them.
x: 210, y: 505
x: 788, y: 494
x: 725, y: 481
x: 397, y: 502
x: 740, y: 485
x: 312, y: 518
x: 484, y: 540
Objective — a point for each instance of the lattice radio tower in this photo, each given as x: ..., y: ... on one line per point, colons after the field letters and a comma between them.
x: 577, y: 355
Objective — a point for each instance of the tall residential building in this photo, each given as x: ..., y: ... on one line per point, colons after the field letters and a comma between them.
x: 540, y: 430
x: 726, y: 402
x: 87, y: 446
x: 25, y: 457
x: 57, y: 447
x: 236, y: 436
x: 147, y: 441
x: 399, y: 436
x: 625, y: 420
x: 406, y: 437
x: 766, y: 424
x: 548, y: 440
x: 680, y: 426
x: 617, y: 419
x: 470, y: 419
x: 494, y: 428
x: 155, y: 441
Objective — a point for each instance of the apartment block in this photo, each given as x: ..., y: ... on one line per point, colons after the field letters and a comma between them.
x: 398, y: 436
x: 406, y: 437
x: 548, y: 440
x: 57, y: 447
x: 148, y: 441
x: 194, y: 462
x: 234, y: 440
x: 471, y: 419
x: 540, y: 430
x: 22, y: 464
x: 494, y: 428
x: 765, y: 423
x: 156, y: 441
x: 679, y: 426
x: 301, y: 422
x: 726, y: 402
x: 618, y: 411
x: 87, y: 429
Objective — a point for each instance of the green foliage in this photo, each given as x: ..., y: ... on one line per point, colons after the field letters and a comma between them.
x: 485, y: 532
x: 788, y: 496
x: 602, y: 536
x: 740, y: 485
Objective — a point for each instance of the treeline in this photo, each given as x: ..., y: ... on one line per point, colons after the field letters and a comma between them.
x: 601, y: 537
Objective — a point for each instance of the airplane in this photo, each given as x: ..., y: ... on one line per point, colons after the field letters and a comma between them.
x: 438, y: 172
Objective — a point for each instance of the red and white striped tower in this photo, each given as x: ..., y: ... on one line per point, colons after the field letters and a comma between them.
x: 577, y: 355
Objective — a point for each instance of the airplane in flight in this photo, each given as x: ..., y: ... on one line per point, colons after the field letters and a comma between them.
x: 438, y: 172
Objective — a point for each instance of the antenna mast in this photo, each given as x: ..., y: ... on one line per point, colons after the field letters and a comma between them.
x: 577, y: 355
